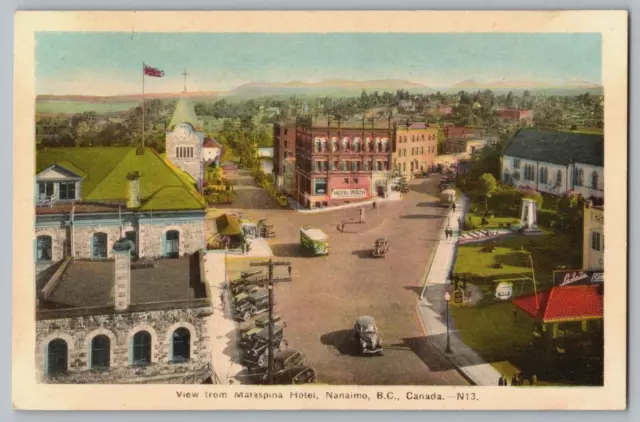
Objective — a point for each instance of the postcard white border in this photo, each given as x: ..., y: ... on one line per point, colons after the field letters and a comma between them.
x: 27, y: 394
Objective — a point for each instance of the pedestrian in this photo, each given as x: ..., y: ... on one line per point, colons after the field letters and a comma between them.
x: 514, y: 380
x: 290, y: 269
x: 223, y: 302
x: 374, y: 205
x: 500, y: 381
x: 454, y: 207
x: 515, y: 316
x: 534, y: 380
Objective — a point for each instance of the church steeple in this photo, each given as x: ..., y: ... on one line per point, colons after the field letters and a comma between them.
x: 185, y: 113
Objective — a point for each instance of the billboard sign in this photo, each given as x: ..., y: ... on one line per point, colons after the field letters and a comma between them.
x: 577, y: 277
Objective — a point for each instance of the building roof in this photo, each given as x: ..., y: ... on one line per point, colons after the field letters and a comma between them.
x: 513, y: 113
x: 211, y: 143
x: 557, y: 147
x: 567, y: 303
x: 185, y: 112
x: 162, y: 185
x: 454, y: 131
x: 88, y: 283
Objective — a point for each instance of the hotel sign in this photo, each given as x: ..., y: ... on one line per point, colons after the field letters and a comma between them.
x: 577, y: 277
x: 348, y: 193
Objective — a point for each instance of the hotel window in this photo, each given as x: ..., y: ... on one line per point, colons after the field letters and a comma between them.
x: 343, y: 165
x: 421, y: 150
x: 318, y: 145
x: 595, y: 241
x: 180, y: 345
x: 346, y: 180
x: 100, y: 352
x: 172, y: 244
x: 356, y: 145
x: 44, y: 248
x: 365, y: 166
x: 413, y: 138
x: 141, y: 345
x: 320, y: 186
x: 67, y: 190
x: 334, y: 145
x: 404, y: 166
x: 56, y: 357
x: 333, y: 165
x: 345, y: 144
x: 354, y: 166
x: 422, y: 138
x: 594, y: 180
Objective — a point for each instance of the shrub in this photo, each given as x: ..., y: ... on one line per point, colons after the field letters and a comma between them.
x: 468, y: 224
x: 548, y: 218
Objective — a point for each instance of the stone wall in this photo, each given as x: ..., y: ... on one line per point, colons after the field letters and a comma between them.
x: 83, y: 235
x: 78, y: 333
x: 151, y: 235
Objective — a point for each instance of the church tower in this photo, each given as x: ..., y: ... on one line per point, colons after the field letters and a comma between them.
x: 185, y: 138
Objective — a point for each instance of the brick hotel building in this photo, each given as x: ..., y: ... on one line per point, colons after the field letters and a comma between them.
x: 342, y: 162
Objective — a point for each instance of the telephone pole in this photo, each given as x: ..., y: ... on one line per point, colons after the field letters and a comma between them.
x: 271, y: 264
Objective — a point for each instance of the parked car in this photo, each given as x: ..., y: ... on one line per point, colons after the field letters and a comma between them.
x: 295, y: 375
x: 258, y: 354
x: 286, y: 359
x: 247, y: 305
x: 367, y: 336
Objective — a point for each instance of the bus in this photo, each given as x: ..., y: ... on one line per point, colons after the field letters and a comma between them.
x: 315, y: 240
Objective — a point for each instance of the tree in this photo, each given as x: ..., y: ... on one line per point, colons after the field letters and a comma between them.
x: 508, y: 102
x: 487, y: 185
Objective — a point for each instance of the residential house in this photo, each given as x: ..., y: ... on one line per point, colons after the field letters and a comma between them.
x: 593, y: 236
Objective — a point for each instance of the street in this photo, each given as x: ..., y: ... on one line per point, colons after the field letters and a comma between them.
x: 328, y: 293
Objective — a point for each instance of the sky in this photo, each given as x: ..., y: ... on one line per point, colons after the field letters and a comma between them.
x: 93, y: 63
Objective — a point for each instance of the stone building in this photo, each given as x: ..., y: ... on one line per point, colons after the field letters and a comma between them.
x: 185, y: 139
x: 87, y: 198
x: 336, y: 161
x: 122, y: 322
x: 593, y: 237
x: 555, y: 162
x: 415, y: 148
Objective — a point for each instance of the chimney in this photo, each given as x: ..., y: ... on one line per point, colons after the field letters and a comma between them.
x: 133, y: 190
x: 122, y: 280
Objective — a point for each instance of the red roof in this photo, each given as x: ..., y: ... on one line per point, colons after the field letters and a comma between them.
x: 514, y: 114
x: 211, y: 143
x: 567, y: 303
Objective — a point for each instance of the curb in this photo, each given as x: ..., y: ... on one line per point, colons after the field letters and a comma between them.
x: 458, y: 369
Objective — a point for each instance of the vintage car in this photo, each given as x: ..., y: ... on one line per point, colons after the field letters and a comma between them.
x: 286, y: 359
x: 247, y: 305
x: 264, y: 320
x: 246, y: 278
x: 295, y: 375
x: 258, y: 354
x: 367, y: 336
x: 380, y: 248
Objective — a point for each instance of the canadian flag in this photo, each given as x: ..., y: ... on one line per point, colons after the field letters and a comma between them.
x: 152, y: 71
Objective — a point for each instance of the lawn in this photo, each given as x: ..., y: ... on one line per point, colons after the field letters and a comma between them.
x: 549, y: 252
x: 494, y: 222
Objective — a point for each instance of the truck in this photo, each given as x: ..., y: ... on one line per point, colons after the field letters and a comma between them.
x: 314, y: 240
x: 447, y: 197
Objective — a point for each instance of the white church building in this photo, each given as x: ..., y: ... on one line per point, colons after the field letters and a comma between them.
x: 555, y: 162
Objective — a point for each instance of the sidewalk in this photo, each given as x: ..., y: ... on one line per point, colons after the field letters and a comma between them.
x: 222, y: 327
x: 432, y: 309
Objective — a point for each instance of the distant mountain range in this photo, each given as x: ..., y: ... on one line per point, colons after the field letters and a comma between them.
x: 344, y: 87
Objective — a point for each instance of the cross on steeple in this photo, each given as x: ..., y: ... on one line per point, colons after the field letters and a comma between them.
x: 185, y: 74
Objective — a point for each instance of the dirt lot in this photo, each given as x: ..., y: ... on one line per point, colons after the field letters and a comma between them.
x: 328, y: 293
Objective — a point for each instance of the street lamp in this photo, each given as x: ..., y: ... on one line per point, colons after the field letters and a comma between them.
x: 447, y: 298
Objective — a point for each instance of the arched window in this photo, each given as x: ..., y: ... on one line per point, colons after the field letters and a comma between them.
x: 378, y: 145
x: 141, y: 345
x: 57, y: 356
x: 45, y: 251
x: 594, y: 180
x: 172, y: 244
x: 345, y: 144
x: 334, y: 144
x: 559, y: 177
x: 544, y: 173
x: 385, y: 144
x: 323, y: 145
x: 100, y: 352
x: 356, y: 145
x: 318, y: 145
x: 579, y: 179
x: 99, y: 246
x: 180, y: 345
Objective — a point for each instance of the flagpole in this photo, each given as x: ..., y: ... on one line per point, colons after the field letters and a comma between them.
x: 143, y: 106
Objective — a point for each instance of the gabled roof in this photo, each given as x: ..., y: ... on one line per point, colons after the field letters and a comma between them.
x: 567, y: 303
x: 185, y: 112
x: 557, y: 147
x: 211, y: 143
x: 162, y: 186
